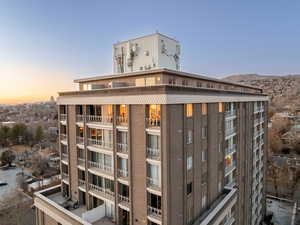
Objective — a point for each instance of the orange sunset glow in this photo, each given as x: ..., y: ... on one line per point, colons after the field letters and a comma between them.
x: 20, y: 84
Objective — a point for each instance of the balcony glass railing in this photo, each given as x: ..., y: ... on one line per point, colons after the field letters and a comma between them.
x: 101, y: 167
x: 122, y: 147
x: 153, y: 153
x: 100, y: 143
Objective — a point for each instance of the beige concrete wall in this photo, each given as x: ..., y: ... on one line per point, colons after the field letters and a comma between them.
x: 138, y: 157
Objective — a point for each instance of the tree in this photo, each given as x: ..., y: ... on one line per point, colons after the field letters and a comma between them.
x: 7, y: 157
x: 16, y: 210
x: 275, y: 142
x: 40, y: 165
x: 18, y: 133
x: 39, y: 134
x: 4, y: 136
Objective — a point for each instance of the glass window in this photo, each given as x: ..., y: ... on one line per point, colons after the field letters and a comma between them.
x: 189, y: 188
x: 189, y: 137
x: 189, y: 110
x: 189, y: 162
x: 204, y: 108
x: 221, y: 107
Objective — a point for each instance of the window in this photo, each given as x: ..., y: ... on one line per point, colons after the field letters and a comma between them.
x: 204, y: 200
x: 189, y: 110
x: 221, y: 107
x: 203, y: 156
x: 204, y: 108
x: 184, y: 83
x: 189, y: 162
x: 204, y: 132
x: 189, y: 137
x: 189, y: 188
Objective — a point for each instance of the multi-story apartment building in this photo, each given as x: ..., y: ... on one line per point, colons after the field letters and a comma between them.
x: 158, y: 146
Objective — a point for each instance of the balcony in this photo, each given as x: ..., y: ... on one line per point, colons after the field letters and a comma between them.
x: 153, y: 153
x: 81, y: 162
x: 154, y: 212
x: 229, y: 114
x: 100, y: 144
x: 64, y: 157
x: 122, y: 148
x: 230, y: 167
x: 101, y: 167
x: 230, y: 149
x: 99, y: 119
x: 122, y: 173
x: 153, y: 183
x: 153, y: 122
x: 81, y: 183
x: 65, y: 177
x: 80, y: 140
x: 106, y: 193
x: 63, y: 117
x: 79, y: 118
x: 122, y: 120
x: 64, y: 137
x: 230, y: 131
x: 124, y: 201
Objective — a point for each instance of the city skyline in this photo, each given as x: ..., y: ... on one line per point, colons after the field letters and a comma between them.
x: 46, y: 46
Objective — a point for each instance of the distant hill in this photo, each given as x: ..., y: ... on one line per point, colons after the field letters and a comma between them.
x: 282, y: 90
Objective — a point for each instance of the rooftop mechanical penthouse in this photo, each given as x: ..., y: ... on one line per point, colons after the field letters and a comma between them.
x: 151, y: 145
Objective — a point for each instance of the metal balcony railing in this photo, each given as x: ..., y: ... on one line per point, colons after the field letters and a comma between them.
x: 80, y: 140
x: 230, y: 131
x: 64, y: 176
x: 63, y: 117
x: 64, y: 156
x: 230, y: 149
x: 153, y: 153
x: 63, y: 137
x: 79, y: 118
x: 154, y: 211
x: 230, y: 167
x: 122, y: 173
x: 230, y: 113
x: 123, y: 199
x: 101, y: 167
x: 81, y: 183
x: 81, y: 161
x: 122, y: 120
x: 99, y: 119
x: 101, y: 190
x: 122, y: 147
x: 100, y: 143
x: 153, y: 122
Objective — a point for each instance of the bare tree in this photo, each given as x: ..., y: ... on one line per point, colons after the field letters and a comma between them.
x: 15, y: 210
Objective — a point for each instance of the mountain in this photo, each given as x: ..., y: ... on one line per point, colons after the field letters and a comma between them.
x: 282, y: 90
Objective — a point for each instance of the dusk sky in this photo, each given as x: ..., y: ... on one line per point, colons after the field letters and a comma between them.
x: 45, y: 45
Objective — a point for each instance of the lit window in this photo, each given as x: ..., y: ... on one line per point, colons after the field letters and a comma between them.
x: 189, y: 162
x: 221, y: 107
x: 109, y: 110
x: 123, y: 110
x: 189, y: 110
x: 189, y: 137
x: 204, y: 109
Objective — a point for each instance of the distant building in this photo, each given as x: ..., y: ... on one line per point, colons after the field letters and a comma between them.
x: 151, y: 145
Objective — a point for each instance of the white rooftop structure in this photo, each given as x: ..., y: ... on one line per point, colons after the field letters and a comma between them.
x: 145, y: 53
